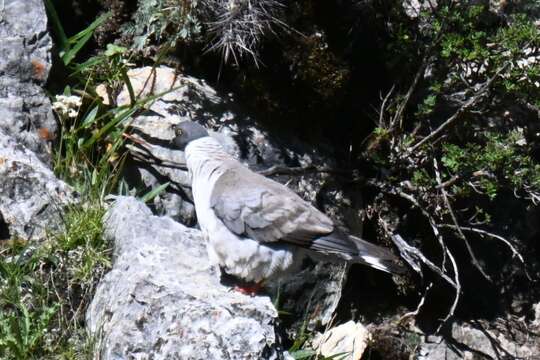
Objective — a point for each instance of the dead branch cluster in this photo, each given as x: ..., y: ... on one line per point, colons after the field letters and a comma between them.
x: 434, y: 203
x: 237, y: 27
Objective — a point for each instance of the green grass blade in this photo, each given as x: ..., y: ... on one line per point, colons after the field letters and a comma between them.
x: 57, y: 25
x: 127, y: 81
x: 76, y: 42
x: 90, y: 117
x: 89, y: 29
x: 338, y: 356
x: 303, y: 354
x: 70, y: 54
x: 25, y: 330
x: 93, y: 61
x: 155, y: 192
x: 110, y: 126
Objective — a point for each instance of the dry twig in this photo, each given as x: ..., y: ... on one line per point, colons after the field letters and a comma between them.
x: 515, y: 252
x: 458, y: 291
x: 447, y: 253
x: 418, y: 307
x: 431, y: 221
x: 412, y: 254
x: 407, y: 251
x: 456, y: 223
x: 398, y: 117
x: 300, y: 170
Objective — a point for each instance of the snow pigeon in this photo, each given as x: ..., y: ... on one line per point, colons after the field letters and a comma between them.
x: 258, y: 229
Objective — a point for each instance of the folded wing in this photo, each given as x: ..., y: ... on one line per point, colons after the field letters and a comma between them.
x: 253, y: 206
x: 259, y: 208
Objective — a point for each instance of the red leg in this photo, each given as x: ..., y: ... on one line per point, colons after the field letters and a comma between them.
x: 249, y: 289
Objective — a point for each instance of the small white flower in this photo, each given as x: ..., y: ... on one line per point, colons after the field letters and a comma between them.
x: 67, y: 106
x: 72, y: 113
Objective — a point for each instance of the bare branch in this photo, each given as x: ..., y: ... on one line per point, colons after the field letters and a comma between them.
x: 456, y: 282
x: 447, y: 183
x: 407, y: 251
x: 431, y: 221
x: 455, y: 178
x: 382, y: 110
x: 398, y: 117
x: 418, y: 307
x: 458, y: 291
x: 515, y: 252
x: 412, y: 254
x: 461, y: 235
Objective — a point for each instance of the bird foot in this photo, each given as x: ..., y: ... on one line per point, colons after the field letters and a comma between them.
x: 249, y: 289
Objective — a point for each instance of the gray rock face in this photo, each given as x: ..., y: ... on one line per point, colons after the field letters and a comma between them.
x: 317, y: 288
x: 498, y: 339
x: 163, y: 299
x: 31, y: 197
x: 25, y: 61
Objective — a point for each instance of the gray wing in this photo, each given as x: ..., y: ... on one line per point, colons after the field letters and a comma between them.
x: 259, y: 208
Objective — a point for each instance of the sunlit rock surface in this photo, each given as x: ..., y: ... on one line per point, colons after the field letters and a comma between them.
x: 163, y: 299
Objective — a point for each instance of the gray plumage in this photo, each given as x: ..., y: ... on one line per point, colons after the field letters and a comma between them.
x: 258, y: 228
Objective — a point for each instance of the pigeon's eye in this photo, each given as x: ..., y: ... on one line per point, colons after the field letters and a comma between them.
x: 178, y: 131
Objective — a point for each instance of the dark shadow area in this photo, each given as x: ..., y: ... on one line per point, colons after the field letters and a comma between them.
x: 4, y: 229
x: 326, y: 97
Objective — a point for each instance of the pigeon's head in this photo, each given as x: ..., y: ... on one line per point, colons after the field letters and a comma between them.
x: 186, y: 132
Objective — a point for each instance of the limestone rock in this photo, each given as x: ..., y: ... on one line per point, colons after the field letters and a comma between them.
x: 347, y: 341
x: 486, y: 341
x: 25, y: 61
x: 536, y: 321
x: 31, y: 197
x: 163, y: 299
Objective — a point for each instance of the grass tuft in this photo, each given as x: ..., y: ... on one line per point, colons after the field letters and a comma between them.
x: 45, y: 289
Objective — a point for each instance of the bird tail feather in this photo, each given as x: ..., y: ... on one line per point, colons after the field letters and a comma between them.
x: 354, y: 249
x: 376, y: 257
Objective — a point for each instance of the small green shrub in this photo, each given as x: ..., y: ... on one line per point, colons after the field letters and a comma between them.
x: 501, y: 160
x: 456, y: 143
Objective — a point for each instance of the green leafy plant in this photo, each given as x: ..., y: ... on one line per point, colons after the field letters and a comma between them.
x: 164, y: 22
x: 26, y: 312
x: 69, y: 47
x: 499, y: 162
